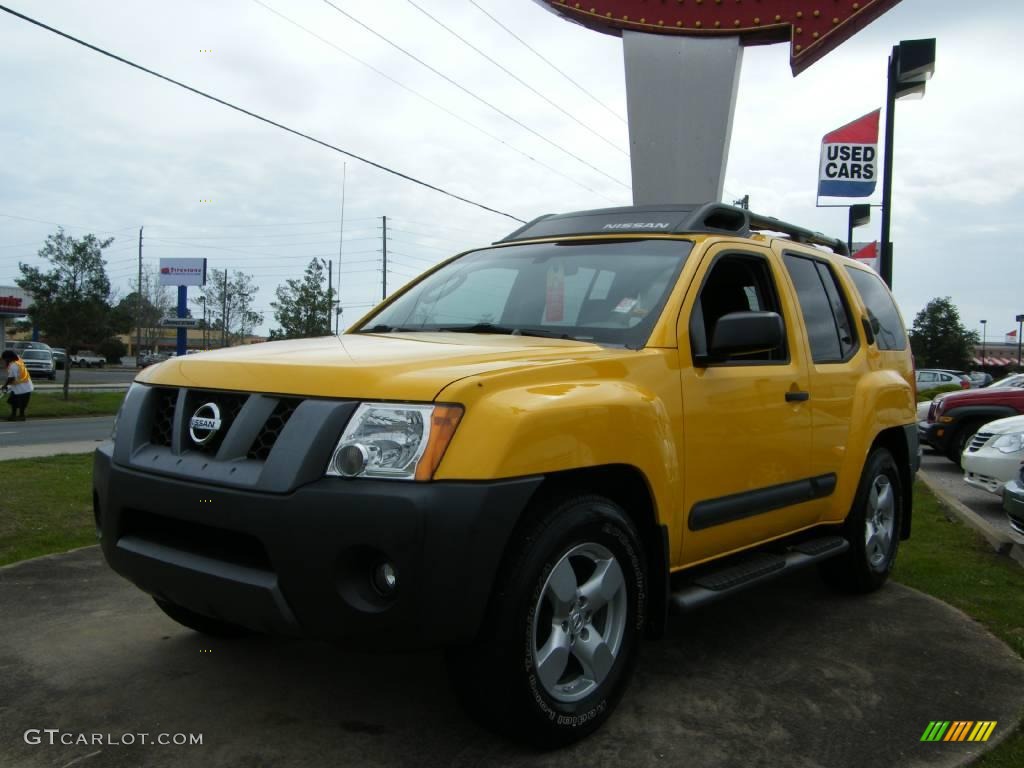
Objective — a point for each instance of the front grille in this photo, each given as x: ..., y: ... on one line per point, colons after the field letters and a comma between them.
x: 163, y: 417
x: 264, y: 442
x: 931, y: 410
x: 253, y: 436
x: 196, y: 538
x: 978, y: 441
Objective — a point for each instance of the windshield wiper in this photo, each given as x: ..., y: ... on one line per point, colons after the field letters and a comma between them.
x: 493, y: 328
x: 386, y: 328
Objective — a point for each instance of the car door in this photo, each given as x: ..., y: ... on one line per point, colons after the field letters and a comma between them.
x: 747, y: 428
x: 835, y: 366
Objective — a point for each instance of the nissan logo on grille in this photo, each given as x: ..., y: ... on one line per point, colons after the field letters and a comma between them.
x: 204, y: 424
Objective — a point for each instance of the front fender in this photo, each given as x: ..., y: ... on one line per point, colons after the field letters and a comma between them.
x: 545, y: 421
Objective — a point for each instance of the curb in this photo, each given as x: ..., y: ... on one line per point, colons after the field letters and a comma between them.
x: 995, y: 538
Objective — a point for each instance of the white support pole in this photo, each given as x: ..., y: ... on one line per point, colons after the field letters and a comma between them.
x: 681, y: 95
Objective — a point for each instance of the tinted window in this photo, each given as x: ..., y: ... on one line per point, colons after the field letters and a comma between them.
x: 882, y: 313
x: 30, y: 354
x: 736, y: 283
x: 822, y: 332
x: 607, y: 292
x: 840, y: 309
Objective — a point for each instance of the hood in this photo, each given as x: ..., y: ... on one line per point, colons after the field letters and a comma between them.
x: 1004, y: 426
x: 988, y: 396
x: 394, y: 366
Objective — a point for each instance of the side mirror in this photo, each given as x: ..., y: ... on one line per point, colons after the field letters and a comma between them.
x: 744, y: 333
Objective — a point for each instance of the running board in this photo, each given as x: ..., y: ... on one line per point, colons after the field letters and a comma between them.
x: 752, y: 569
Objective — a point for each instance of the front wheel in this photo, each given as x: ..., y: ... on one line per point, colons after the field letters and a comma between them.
x: 872, y: 528
x: 564, y: 627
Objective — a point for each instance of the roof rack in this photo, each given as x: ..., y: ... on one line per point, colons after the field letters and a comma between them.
x: 711, y: 218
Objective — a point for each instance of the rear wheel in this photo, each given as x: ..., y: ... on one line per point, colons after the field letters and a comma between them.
x: 563, y: 629
x: 200, y: 623
x: 872, y: 528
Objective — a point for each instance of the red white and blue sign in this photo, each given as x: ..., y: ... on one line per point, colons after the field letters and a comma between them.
x: 849, y: 159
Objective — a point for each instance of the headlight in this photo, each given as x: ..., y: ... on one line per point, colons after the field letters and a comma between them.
x: 1010, y: 443
x: 402, y: 442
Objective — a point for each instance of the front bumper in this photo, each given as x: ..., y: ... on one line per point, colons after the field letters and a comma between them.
x: 301, y: 563
x: 1013, y: 504
x: 990, y: 469
x: 932, y: 434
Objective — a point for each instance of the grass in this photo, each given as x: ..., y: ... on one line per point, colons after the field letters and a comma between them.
x: 50, y: 405
x: 929, y: 394
x: 47, y: 507
x: 948, y: 560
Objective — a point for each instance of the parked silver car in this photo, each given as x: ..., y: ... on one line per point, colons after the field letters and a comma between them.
x: 39, y: 363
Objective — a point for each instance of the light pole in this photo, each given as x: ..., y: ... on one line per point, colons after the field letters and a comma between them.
x: 1020, y: 327
x: 911, y: 65
x: 984, y: 329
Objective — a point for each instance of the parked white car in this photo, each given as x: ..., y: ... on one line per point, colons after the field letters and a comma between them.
x: 993, y: 456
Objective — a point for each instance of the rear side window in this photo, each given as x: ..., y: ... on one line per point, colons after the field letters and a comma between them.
x: 825, y: 315
x: 882, y: 313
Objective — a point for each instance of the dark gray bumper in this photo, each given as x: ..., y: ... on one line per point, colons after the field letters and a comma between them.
x: 301, y: 563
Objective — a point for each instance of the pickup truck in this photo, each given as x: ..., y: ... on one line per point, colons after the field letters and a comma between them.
x: 88, y: 360
x: 954, y: 418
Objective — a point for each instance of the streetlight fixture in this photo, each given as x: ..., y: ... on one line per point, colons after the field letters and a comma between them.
x: 984, y: 329
x: 860, y: 214
x: 911, y: 65
x: 1020, y: 327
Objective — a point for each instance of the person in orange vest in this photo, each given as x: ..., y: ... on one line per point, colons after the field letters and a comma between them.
x: 18, y: 382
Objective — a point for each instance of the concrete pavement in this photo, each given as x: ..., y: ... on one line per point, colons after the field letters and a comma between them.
x: 788, y: 675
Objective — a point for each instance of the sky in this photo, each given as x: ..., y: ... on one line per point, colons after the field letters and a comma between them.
x: 96, y: 146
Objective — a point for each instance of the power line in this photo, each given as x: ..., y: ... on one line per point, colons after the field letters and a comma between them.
x: 278, y: 224
x: 541, y: 56
x: 228, y: 104
x: 518, y: 79
x: 430, y: 101
x: 57, y: 223
x: 470, y: 93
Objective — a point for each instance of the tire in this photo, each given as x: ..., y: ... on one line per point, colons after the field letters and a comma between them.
x: 958, y: 443
x: 872, y: 528
x: 200, y: 623
x: 548, y: 668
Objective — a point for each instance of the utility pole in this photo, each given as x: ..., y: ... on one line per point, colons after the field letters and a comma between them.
x: 384, y: 271
x: 743, y: 202
x: 138, y: 312
x: 224, y: 312
x: 341, y: 240
x: 330, y: 292
x: 1020, y: 328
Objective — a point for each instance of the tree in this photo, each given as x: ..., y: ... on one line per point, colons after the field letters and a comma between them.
x: 939, y: 339
x: 157, y: 303
x: 70, y: 300
x: 303, y: 307
x: 228, y: 302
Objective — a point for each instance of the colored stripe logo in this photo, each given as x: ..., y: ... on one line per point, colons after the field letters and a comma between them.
x: 959, y: 730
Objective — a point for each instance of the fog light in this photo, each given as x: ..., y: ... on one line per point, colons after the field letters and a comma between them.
x: 385, y: 579
x: 350, y: 460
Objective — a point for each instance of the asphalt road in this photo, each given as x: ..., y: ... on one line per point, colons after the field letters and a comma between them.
x: 950, y: 478
x: 788, y: 675
x: 44, y: 431
x: 96, y: 376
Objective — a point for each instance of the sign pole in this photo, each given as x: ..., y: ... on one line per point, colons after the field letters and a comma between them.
x: 182, y: 312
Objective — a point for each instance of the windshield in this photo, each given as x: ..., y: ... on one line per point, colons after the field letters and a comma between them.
x: 1010, y: 381
x: 35, y: 354
x: 606, y: 292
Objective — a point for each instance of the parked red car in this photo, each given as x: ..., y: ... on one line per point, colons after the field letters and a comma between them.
x: 954, y: 418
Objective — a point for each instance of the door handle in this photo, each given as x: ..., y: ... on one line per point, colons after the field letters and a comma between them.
x: 797, y: 397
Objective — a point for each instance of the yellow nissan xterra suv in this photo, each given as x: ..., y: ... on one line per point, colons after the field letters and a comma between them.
x: 530, y: 454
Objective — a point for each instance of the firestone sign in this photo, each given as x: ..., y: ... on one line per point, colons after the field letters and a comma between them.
x: 182, y: 272
x: 812, y: 27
